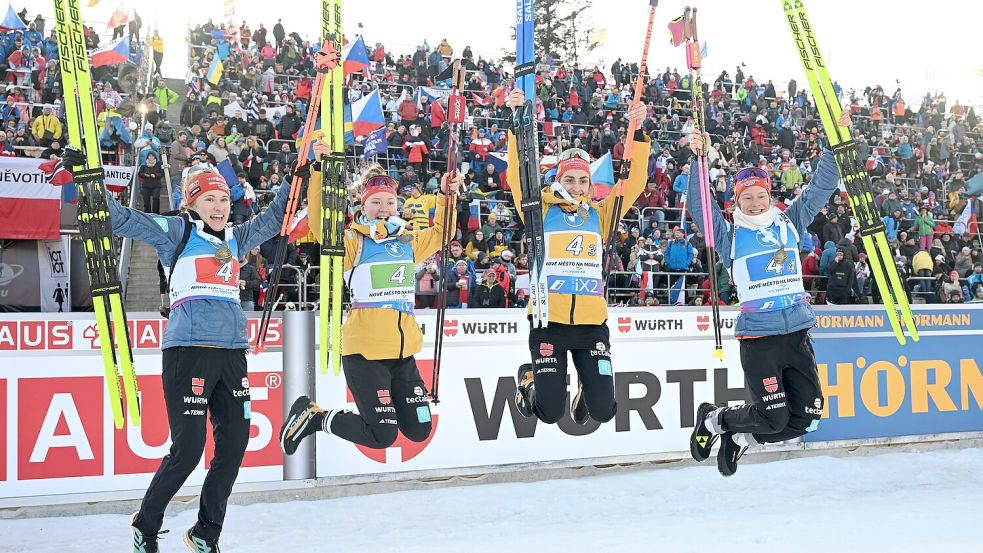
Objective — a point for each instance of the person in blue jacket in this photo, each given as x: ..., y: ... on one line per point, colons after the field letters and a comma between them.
x: 761, y: 249
x: 204, y: 347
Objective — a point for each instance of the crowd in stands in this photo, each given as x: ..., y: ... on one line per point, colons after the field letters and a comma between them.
x: 919, y: 157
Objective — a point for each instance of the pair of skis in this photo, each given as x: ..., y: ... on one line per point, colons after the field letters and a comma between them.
x: 860, y: 190
x: 527, y: 142
x: 456, y: 112
x: 334, y: 196
x: 95, y: 226
x: 325, y: 59
x: 683, y: 31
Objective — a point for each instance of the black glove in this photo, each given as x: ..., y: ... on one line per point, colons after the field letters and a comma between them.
x: 72, y: 157
x: 303, y: 170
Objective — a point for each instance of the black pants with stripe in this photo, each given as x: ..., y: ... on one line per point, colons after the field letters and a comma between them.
x: 196, y: 380
x: 390, y: 396
x: 787, y: 399
x: 590, y: 348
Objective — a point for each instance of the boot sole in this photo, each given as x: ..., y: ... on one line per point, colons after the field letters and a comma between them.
x: 694, y: 449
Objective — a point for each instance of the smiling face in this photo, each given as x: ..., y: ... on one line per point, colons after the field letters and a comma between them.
x: 754, y: 201
x: 576, y: 182
x: 380, y: 206
x: 213, y: 207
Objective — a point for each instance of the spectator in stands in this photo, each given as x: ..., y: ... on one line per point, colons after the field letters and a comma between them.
x: 924, y: 224
x: 841, y: 275
x: 489, y: 184
x: 489, y: 293
x: 249, y: 279
x: 678, y: 252
x: 458, y: 282
x: 417, y: 207
x: 46, y: 127
x: 427, y: 280
x: 151, y: 183
x: 252, y: 158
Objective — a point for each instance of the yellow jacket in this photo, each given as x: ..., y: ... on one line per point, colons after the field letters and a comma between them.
x: 380, y: 333
x: 46, y: 123
x: 157, y: 43
x: 568, y: 308
x: 416, y: 211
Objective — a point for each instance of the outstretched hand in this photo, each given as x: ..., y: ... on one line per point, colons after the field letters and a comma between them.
x: 451, y: 186
x: 515, y: 98
x: 699, y: 142
x: 845, y: 120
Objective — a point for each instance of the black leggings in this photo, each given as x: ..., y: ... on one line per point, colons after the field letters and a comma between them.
x: 590, y: 347
x: 390, y: 396
x: 196, y: 380
x: 780, y: 374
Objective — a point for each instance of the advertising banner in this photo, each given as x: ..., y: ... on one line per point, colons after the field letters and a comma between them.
x: 56, y: 435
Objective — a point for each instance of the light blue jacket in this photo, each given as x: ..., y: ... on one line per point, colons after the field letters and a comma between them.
x: 214, y: 323
x: 801, y: 213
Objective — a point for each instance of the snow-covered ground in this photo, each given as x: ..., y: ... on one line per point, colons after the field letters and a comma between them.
x: 897, y: 502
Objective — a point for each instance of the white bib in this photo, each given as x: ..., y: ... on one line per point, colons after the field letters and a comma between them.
x: 766, y: 281
x: 383, y: 277
x: 198, y: 275
x: 574, y: 253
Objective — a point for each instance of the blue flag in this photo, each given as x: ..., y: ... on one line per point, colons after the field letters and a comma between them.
x: 375, y: 143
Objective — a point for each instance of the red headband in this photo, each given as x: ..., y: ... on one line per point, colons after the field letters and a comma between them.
x: 743, y: 185
x: 572, y: 164
x: 206, y: 181
x: 379, y: 184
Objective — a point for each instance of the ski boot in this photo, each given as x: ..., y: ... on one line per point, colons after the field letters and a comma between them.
x: 198, y: 544
x: 729, y: 454
x: 144, y: 543
x: 525, y: 392
x: 702, y: 439
x: 303, y: 420
x: 579, y: 409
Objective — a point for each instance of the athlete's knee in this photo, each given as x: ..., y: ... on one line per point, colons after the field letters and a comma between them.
x: 549, y: 412
x: 185, y: 457
x: 602, y: 411
x: 775, y: 418
x: 382, y: 436
x: 417, y: 432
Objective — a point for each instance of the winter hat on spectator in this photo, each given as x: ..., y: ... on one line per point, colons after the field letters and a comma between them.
x: 204, y: 181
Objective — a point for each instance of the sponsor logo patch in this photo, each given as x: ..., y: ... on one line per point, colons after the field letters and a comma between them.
x: 545, y: 349
x: 604, y: 367
x: 771, y: 384
x: 384, y: 397
x: 197, y: 386
x: 423, y: 413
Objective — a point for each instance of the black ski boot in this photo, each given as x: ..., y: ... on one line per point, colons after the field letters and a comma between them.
x: 729, y: 454
x: 579, y: 410
x: 702, y: 439
x: 303, y: 420
x: 144, y: 543
x: 525, y: 392
x: 198, y: 544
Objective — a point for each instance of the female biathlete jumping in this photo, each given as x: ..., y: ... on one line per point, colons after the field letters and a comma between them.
x: 761, y: 250
x: 381, y: 335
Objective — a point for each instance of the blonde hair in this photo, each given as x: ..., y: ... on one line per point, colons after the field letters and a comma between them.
x: 373, y: 170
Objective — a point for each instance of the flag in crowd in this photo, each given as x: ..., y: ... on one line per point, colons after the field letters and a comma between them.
x: 215, y: 70
x: 375, y: 143
x: 114, y: 53
x: 355, y: 57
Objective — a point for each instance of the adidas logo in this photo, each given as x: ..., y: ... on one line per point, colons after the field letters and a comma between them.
x: 702, y: 440
x: 187, y: 412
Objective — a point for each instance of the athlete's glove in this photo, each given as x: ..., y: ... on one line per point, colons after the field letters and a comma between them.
x: 72, y: 157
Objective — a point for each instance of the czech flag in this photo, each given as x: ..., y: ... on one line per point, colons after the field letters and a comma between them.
x: 367, y: 113
x: 602, y: 176
x: 355, y: 57
x: 474, y: 215
x: 114, y: 53
x: 215, y: 70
